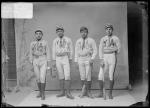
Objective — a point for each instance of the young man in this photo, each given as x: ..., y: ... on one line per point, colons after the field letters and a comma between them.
x: 108, y: 49
x: 62, y: 57
x: 85, y: 52
x: 40, y: 58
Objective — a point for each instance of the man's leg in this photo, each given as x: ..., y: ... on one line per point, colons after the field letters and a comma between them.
x: 39, y: 87
x: 68, y: 86
x: 61, y: 82
x: 66, y: 68
x: 61, y: 78
x: 83, y: 83
x: 37, y: 74
x: 82, y: 77
x: 88, y: 79
x: 111, y: 80
x: 43, y: 79
x: 100, y: 78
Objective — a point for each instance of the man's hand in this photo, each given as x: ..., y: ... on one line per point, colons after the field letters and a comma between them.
x: 91, y: 61
x: 48, y: 69
x: 54, y: 63
x: 52, y: 73
x: 102, y: 63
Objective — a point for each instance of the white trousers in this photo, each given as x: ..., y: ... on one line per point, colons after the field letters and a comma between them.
x: 84, y: 68
x: 109, y: 66
x: 63, y: 67
x: 40, y: 66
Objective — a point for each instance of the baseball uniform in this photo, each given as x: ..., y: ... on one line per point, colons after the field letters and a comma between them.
x: 109, y: 58
x: 39, y: 55
x: 85, y: 50
x: 62, y: 52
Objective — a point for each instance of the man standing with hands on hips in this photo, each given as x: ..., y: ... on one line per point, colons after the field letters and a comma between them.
x: 108, y: 49
x: 85, y: 52
x: 40, y: 58
x: 62, y: 58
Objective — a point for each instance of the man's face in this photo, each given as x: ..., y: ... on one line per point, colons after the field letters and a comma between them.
x: 84, y: 33
x: 38, y: 35
x: 109, y: 31
x: 60, y: 33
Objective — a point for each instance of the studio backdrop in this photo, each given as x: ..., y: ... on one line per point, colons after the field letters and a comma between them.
x: 46, y: 16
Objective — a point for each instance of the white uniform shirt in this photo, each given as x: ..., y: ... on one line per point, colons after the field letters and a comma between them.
x: 39, y: 48
x: 90, y: 49
x: 109, y: 42
x: 62, y: 49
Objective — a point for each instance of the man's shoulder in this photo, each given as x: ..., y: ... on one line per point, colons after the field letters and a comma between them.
x: 67, y: 38
x: 55, y: 39
x: 104, y: 38
x: 33, y: 42
x: 79, y: 40
x: 44, y: 41
x: 90, y: 39
x: 115, y: 37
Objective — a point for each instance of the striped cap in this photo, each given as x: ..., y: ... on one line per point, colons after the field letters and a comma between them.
x: 108, y: 25
x: 59, y: 28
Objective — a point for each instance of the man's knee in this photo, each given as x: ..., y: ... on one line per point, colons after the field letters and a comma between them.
x: 67, y: 77
x: 42, y: 79
x: 111, y: 78
x: 89, y: 79
x: 100, y: 78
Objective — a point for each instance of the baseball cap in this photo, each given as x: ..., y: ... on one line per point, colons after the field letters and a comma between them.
x: 59, y: 28
x: 108, y: 25
x: 83, y: 28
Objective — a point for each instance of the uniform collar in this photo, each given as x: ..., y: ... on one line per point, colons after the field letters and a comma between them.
x: 39, y: 40
x: 85, y: 38
x: 109, y: 36
x: 61, y: 38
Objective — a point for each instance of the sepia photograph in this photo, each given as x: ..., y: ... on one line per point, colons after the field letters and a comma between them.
x: 74, y: 54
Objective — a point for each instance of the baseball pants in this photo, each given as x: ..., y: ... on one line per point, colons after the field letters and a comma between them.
x: 109, y: 64
x: 85, y: 69
x: 63, y: 67
x: 40, y: 66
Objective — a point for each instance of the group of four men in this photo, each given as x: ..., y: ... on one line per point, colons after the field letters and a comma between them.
x: 85, y: 52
